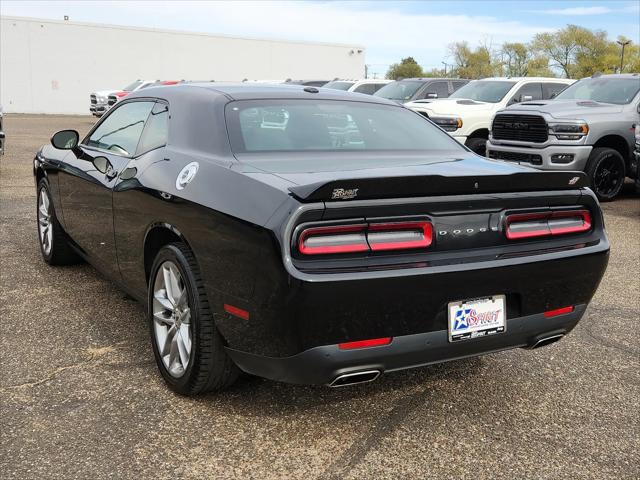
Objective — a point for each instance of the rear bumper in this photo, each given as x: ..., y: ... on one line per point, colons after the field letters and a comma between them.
x: 322, y: 365
x: 580, y: 155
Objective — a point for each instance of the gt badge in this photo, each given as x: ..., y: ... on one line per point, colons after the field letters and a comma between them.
x: 187, y: 174
x: 344, y: 193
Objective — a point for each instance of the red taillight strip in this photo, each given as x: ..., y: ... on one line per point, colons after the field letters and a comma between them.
x: 547, y: 228
x: 374, y: 342
x: 558, y: 311
x: 333, y: 229
x: 424, y: 242
x: 237, y: 312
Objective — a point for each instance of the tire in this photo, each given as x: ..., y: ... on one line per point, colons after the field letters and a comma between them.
x: 606, y: 171
x: 190, y: 317
x: 478, y: 145
x: 54, y: 243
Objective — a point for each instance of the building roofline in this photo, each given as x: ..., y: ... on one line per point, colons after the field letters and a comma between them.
x: 178, y: 32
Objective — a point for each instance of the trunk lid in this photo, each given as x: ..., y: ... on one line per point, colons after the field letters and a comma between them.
x: 315, y: 176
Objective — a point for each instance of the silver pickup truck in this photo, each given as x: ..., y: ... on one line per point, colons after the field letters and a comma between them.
x: 589, y: 127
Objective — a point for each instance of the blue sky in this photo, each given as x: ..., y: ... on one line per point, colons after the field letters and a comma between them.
x: 388, y: 30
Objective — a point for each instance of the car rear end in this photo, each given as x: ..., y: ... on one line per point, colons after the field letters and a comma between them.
x: 383, y: 260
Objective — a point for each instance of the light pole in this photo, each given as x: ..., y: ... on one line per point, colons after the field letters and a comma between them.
x: 622, y: 44
x: 445, y: 68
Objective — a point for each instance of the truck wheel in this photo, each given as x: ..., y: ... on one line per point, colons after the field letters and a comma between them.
x: 477, y: 145
x: 54, y: 244
x: 187, y: 347
x: 606, y: 171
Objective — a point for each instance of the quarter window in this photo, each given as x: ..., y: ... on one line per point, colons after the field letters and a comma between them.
x: 156, y: 130
x: 120, y: 132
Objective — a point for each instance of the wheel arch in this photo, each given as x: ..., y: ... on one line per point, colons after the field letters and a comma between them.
x: 157, y: 236
x: 480, y: 133
x: 618, y: 143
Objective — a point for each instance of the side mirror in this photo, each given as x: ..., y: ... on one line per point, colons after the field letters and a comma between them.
x: 65, y: 139
x: 432, y: 95
x: 526, y: 98
x: 554, y: 95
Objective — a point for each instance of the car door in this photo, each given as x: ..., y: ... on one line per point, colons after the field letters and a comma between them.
x: 89, y: 175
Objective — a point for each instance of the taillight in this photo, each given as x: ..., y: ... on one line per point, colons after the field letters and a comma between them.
x: 530, y: 225
x: 365, y: 237
x: 399, y: 236
x: 333, y: 239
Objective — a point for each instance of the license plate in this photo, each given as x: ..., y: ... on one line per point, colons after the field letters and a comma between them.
x: 477, y: 318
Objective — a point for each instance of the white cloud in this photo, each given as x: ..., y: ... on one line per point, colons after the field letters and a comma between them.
x: 577, y: 11
x: 387, y: 32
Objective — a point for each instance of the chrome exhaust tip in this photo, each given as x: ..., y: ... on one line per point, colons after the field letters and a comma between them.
x: 547, y: 340
x: 354, y: 378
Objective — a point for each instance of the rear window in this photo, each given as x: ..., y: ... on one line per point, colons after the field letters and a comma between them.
x: 310, y: 125
x: 339, y: 85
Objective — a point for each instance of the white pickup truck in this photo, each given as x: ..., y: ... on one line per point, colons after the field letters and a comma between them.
x: 466, y: 115
x: 99, y: 100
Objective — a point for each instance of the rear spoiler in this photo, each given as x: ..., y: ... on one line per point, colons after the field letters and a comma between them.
x: 433, y: 185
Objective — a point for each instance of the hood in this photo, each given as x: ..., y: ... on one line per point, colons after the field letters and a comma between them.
x: 314, y: 175
x: 452, y: 106
x: 568, y: 109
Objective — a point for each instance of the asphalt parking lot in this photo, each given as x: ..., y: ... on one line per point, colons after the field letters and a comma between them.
x: 80, y: 396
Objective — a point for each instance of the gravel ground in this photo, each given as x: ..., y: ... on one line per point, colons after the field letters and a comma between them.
x: 80, y: 396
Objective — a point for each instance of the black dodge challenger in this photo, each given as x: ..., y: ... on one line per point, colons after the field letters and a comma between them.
x: 315, y: 236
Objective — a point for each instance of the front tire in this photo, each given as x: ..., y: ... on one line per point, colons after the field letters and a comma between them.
x: 54, y: 244
x: 606, y: 171
x: 188, y: 349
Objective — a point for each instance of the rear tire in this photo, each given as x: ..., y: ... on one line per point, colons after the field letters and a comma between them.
x: 54, y: 244
x: 606, y: 171
x: 478, y: 145
x: 187, y: 347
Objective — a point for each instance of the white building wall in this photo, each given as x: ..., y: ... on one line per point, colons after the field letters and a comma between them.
x: 49, y: 66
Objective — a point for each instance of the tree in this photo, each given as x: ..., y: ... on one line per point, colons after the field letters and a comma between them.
x: 407, y: 68
x: 515, y: 59
x: 468, y: 63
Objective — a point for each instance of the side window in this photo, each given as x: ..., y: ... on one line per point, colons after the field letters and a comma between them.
x: 156, y: 130
x: 458, y: 84
x: 533, y: 90
x: 441, y: 89
x: 368, y: 88
x: 121, y: 130
x: 552, y: 89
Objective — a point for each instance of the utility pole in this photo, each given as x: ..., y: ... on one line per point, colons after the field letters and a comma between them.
x: 622, y: 44
x: 366, y: 71
x: 445, y: 68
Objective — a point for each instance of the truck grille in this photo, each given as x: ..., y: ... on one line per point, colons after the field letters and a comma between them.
x: 516, y: 157
x: 93, y: 100
x: 522, y: 128
x: 112, y: 100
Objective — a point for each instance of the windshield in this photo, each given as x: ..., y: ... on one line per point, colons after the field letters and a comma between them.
x: 402, y: 90
x: 339, y: 85
x: 132, y: 86
x: 607, y: 90
x: 490, y: 91
x: 306, y: 125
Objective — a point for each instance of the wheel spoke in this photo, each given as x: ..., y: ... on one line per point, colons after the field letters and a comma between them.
x: 168, y: 341
x: 163, y: 300
x: 160, y: 318
x: 167, y: 284
x: 173, y: 352
x: 174, y: 288
x: 182, y: 351
x: 185, y: 337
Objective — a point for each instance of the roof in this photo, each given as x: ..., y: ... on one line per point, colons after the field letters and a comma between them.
x: 535, y: 79
x: 426, y: 79
x: 254, y: 91
x: 616, y: 75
